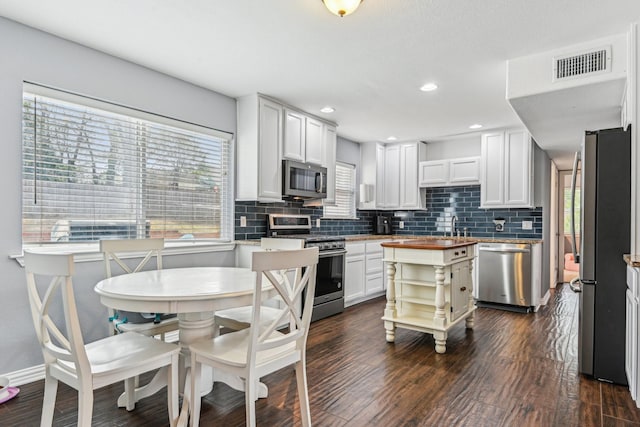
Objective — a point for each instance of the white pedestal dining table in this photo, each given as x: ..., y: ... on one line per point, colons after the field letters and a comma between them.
x: 194, y: 294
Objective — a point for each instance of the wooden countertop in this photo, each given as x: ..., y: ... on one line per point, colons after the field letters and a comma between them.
x: 432, y: 244
x: 632, y: 260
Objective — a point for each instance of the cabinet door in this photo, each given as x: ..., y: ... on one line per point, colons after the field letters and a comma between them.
x: 374, y: 284
x: 294, y: 136
x: 314, y: 141
x: 460, y: 288
x: 464, y: 171
x: 380, y: 175
x: 329, y: 161
x: 409, y: 190
x: 518, y: 179
x: 492, y: 178
x: 434, y: 173
x: 270, y: 146
x: 392, y: 177
x: 354, y: 280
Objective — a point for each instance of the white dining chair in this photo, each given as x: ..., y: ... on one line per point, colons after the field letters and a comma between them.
x: 87, y: 367
x: 237, y: 318
x: 261, y: 349
x: 114, y: 251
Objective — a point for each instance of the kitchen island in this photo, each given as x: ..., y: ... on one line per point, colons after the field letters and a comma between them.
x: 429, y: 287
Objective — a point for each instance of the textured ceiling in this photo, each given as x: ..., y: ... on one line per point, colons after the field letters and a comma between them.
x: 368, y: 66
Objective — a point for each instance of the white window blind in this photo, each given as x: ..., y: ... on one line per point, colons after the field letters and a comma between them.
x: 345, y: 193
x: 92, y: 173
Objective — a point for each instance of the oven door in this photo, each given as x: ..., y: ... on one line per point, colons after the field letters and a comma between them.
x: 330, y: 276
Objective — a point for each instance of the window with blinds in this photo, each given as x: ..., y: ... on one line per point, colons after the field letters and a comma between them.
x: 93, y: 170
x: 345, y: 193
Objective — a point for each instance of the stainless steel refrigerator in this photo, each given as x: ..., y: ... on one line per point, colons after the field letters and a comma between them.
x: 605, y: 202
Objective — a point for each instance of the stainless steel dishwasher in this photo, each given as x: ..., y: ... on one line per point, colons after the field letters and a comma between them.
x: 504, y: 273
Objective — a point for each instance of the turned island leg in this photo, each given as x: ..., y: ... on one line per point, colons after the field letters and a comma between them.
x: 441, y: 341
x: 390, y: 309
x: 469, y: 321
x: 439, y: 317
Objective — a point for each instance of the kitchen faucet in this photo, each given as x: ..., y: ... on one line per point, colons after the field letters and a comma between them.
x: 453, y: 224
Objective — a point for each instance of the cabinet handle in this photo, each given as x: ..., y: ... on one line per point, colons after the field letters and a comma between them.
x: 455, y: 253
x: 462, y: 289
x: 464, y: 252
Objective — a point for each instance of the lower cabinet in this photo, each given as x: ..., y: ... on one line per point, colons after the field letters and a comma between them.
x: 364, y: 276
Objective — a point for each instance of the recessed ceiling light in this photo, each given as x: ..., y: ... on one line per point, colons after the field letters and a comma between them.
x: 392, y: 138
x: 328, y: 109
x: 429, y: 87
x: 476, y: 126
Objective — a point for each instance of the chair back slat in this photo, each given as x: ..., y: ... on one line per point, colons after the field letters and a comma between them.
x: 269, y: 265
x: 55, y: 344
x: 113, y: 250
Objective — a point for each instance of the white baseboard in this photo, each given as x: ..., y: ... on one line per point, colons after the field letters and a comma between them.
x: 25, y: 376
x: 544, y: 300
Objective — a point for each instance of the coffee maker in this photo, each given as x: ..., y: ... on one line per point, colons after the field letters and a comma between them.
x: 382, y: 224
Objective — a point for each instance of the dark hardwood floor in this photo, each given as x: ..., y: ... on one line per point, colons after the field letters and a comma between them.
x: 512, y: 370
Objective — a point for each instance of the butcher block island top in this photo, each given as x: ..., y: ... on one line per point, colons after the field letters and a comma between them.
x: 429, y: 287
x: 437, y: 244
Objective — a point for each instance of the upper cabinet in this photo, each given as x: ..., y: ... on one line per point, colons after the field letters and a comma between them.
x: 393, y: 172
x: 268, y: 132
x: 303, y: 138
x: 450, y: 172
x: 259, y: 144
x: 507, y: 170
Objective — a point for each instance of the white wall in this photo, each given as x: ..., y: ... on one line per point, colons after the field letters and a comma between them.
x: 451, y: 148
x: 31, y: 55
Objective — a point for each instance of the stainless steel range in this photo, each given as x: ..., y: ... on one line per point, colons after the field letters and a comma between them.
x: 329, y: 294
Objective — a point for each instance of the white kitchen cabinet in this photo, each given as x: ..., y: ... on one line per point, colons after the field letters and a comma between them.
x: 329, y: 145
x: 303, y: 138
x: 365, y: 278
x: 632, y: 354
x: 393, y: 171
x: 507, y: 169
x: 314, y: 141
x: 293, y: 147
x: 259, y: 144
x: 449, y: 172
x: 355, y: 273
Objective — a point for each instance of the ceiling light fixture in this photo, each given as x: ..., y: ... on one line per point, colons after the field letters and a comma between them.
x: 429, y: 87
x: 392, y: 138
x: 327, y: 109
x: 342, y: 8
x: 476, y: 126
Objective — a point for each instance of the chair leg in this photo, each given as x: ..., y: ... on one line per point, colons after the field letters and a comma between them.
x: 250, y: 397
x: 130, y: 392
x: 194, y: 393
x: 85, y: 405
x: 303, y: 393
x: 49, y: 401
x: 172, y: 392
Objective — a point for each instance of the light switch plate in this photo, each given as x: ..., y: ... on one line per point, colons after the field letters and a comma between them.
x: 401, y: 224
x: 318, y: 223
x: 243, y: 221
x: 527, y: 225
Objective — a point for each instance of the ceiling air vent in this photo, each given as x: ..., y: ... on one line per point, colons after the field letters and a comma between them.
x: 575, y: 65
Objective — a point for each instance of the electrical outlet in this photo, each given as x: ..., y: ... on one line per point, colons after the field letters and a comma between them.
x: 527, y: 225
x: 243, y: 221
x: 401, y: 224
x: 318, y: 223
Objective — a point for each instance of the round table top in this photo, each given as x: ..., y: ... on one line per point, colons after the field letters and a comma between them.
x: 179, y: 289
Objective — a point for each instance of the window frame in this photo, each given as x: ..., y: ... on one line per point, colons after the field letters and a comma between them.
x: 198, y: 245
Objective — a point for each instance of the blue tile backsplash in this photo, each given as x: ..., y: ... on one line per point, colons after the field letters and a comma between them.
x: 441, y: 203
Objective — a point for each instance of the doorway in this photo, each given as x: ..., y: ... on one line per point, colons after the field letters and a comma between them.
x: 567, y: 268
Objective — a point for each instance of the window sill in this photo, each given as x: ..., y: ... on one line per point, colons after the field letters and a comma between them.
x: 90, y: 252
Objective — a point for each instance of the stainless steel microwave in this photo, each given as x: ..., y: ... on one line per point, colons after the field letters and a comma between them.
x: 303, y: 180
